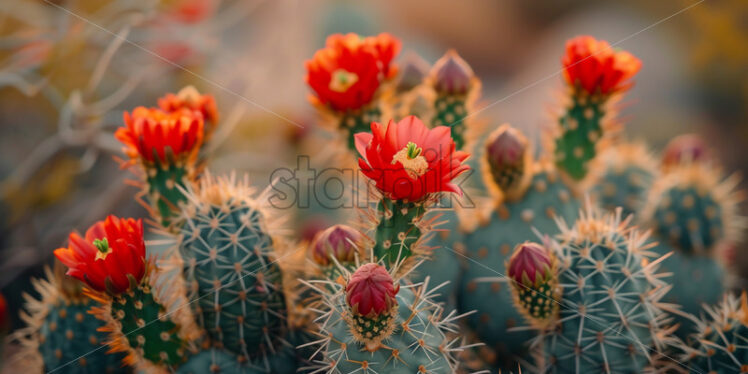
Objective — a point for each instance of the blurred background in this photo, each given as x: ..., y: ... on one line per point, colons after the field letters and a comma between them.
x: 68, y: 69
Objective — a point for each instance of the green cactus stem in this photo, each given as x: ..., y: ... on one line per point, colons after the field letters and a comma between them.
x: 398, y: 230
x: 354, y: 122
x: 581, y: 128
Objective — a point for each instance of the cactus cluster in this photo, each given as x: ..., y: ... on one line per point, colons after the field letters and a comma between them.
x: 421, y: 283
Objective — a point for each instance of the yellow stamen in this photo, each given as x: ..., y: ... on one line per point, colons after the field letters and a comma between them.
x: 412, y: 160
x: 342, y: 80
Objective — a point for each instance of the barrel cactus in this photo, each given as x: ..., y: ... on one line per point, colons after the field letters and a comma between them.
x: 692, y: 211
x: 623, y: 178
x: 528, y: 195
x: 377, y: 324
x: 610, y: 315
x: 61, y: 335
x: 718, y: 342
x: 229, y: 250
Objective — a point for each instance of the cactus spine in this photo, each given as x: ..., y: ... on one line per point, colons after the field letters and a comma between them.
x: 718, y: 342
x: 610, y: 318
x: 229, y: 252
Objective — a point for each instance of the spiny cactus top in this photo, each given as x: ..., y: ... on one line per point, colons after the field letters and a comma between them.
x: 694, y: 208
x: 111, y: 257
x: 377, y: 325
x: 718, y: 343
x: 610, y: 318
x: 190, y: 98
x: 452, y: 75
x: 594, y: 67
x: 531, y: 272
x: 594, y: 73
x: 61, y: 335
x: 346, y: 74
x: 230, y: 248
x: 623, y: 176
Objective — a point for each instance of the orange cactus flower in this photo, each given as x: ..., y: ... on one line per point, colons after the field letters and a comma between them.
x: 153, y: 135
x: 109, y: 257
x: 346, y: 74
x: 190, y: 98
x: 409, y: 161
x: 596, y: 68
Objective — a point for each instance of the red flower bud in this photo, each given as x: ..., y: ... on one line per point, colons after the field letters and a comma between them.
x: 530, y: 264
x: 371, y: 291
x: 452, y: 75
x: 506, y: 154
x: 339, y: 241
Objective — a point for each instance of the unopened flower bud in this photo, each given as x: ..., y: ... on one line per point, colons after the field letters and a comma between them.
x: 340, y: 241
x: 452, y: 75
x: 685, y: 149
x: 371, y: 291
x: 506, y: 154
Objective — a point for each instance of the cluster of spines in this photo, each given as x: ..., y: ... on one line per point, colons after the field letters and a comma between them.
x: 418, y: 340
x: 693, y: 208
x: 61, y: 335
x: 229, y: 249
x: 719, y: 342
x: 611, y: 317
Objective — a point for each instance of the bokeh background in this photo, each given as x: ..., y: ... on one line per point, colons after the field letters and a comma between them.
x: 68, y: 69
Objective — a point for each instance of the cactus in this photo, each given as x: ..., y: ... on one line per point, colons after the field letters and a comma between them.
x: 623, y: 176
x: 61, y: 335
x: 610, y: 315
x: 380, y: 325
x: 596, y: 75
x: 165, y: 146
x: 347, y: 78
x: 228, y: 248
x: 717, y: 343
x: 220, y: 361
x: 149, y: 323
x: 455, y: 90
x: 526, y: 198
x: 693, y: 211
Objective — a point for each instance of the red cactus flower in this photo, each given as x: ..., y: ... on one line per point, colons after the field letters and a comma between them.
x: 452, y: 74
x: 339, y: 241
x: 684, y: 149
x: 595, y: 67
x: 190, y: 98
x: 347, y: 73
x: 371, y: 291
x: 112, y: 251
x: 530, y: 264
x: 408, y: 161
x: 151, y: 134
